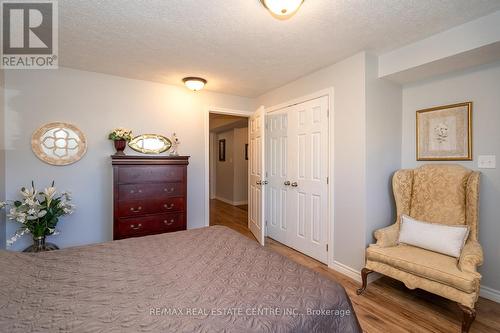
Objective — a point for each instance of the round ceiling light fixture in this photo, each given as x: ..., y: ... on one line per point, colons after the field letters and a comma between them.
x: 194, y: 83
x: 282, y: 8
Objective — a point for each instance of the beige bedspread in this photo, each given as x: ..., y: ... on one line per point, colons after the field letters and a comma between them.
x: 204, y: 280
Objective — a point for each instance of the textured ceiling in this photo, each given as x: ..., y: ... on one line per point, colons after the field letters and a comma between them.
x: 236, y: 45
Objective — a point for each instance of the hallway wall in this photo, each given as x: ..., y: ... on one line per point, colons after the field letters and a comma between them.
x: 231, y: 183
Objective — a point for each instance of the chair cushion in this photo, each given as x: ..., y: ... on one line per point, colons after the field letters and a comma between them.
x: 437, y: 237
x: 426, y: 264
x: 438, y: 194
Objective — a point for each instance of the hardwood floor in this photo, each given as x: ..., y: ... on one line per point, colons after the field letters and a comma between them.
x: 386, y: 306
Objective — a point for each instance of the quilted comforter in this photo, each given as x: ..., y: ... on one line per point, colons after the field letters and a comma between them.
x: 204, y: 280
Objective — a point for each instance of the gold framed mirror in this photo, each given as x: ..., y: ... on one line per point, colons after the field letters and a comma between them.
x: 150, y: 144
x: 59, y: 143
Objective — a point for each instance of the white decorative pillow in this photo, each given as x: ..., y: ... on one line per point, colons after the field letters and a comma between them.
x: 442, y: 238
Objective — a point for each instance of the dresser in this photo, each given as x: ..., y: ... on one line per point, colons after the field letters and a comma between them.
x: 149, y: 195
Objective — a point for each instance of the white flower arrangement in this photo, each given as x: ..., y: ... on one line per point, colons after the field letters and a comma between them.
x: 120, y: 134
x: 38, y: 212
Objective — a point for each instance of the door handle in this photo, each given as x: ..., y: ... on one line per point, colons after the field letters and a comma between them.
x: 287, y: 183
x: 168, y: 206
x: 258, y: 182
x: 294, y: 184
x: 262, y: 182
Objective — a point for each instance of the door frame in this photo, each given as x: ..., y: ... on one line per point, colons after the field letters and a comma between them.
x: 329, y: 92
x: 208, y: 111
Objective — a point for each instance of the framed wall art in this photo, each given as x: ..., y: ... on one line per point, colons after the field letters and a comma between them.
x: 444, y: 133
x: 222, y: 150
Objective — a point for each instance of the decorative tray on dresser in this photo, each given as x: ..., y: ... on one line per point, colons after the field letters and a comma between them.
x: 149, y: 195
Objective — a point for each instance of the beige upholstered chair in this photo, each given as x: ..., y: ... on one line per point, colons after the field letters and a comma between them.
x: 435, y: 193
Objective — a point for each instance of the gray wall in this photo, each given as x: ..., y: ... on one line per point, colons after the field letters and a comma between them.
x: 224, y: 170
x: 383, y: 147
x: 97, y: 103
x: 2, y: 159
x: 482, y: 87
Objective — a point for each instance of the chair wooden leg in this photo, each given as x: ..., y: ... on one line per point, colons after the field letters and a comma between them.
x: 364, y: 275
x: 468, y: 317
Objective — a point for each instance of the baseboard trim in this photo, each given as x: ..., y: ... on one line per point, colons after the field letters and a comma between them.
x: 353, y: 273
x: 230, y: 202
x: 490, y: 293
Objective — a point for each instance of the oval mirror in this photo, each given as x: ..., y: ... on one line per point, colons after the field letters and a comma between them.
x: 150, y: 144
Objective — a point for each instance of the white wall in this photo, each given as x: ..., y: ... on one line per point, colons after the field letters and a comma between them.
x: 240, y: 192
x: 96, y: 103
x: 348, y: 79
x: 482, y: 87
x: 2, y: 159
x: 224, y: 189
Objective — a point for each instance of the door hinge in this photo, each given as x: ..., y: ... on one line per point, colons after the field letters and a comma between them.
x: 327, y: 180
x: 266, y: 174
x: 326, y: 247
x: 266, y: 223
x: 327, y: 112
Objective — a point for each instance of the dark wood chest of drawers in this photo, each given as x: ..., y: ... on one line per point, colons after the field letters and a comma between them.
x: 149, y: 195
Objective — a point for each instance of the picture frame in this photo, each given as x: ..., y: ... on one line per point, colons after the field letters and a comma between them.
x: 444, y: 133
x: 222, y: 150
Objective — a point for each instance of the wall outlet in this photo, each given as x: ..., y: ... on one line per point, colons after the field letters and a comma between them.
x: 487, y: 162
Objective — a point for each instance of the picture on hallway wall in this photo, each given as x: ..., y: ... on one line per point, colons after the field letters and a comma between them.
x: 222, y: 150
x: 444, y: 133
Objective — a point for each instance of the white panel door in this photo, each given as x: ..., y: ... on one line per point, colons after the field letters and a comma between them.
x: 256, y: 165
x: 305, y: 214
x: 277, y: 175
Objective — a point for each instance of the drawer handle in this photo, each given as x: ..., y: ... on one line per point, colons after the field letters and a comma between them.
x: 136, y: 210
x: 169, y: 222
x: 132, y: 191
x: 169, y: 190
x: 168, y: 206
x: 133, y: 226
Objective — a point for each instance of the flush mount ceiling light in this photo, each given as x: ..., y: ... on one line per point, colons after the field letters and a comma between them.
x: 194, y: 83
x: 282, y: 8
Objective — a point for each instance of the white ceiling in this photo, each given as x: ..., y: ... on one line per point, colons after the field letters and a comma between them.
x: 235, y: 44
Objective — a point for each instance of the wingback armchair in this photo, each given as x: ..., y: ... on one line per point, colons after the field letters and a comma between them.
x: 437, y: 193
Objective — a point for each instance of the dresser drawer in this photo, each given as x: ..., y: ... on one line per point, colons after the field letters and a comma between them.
x: 128, y: 208
x: 172, y: 222
x: 154, y: 173
x: 151, y: 224
x: 147, y: 190
x: 134, y: 227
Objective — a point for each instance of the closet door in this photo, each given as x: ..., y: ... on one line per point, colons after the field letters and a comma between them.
x: 308, y: 172
x: 277, y: 175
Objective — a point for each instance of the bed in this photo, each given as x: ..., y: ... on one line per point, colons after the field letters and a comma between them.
x: 203, y: 280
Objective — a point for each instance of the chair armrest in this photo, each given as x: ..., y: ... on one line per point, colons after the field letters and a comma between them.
x: 471, y: 257
x: 387, y: 236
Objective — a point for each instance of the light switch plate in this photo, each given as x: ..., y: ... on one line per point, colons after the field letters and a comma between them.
x: 487, y: 162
